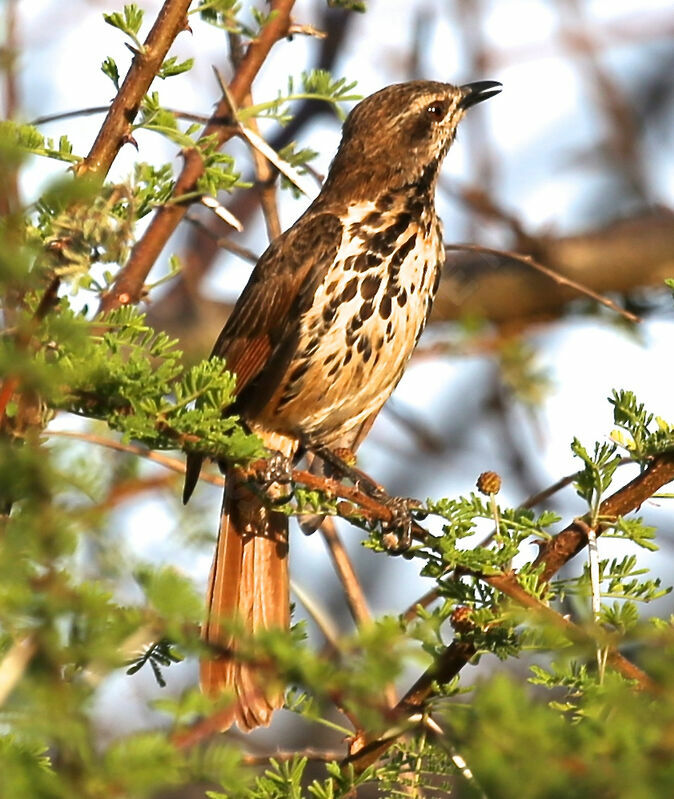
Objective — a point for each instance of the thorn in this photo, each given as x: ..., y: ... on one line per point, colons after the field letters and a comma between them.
x: 133, y: 49
x: 128, y: 138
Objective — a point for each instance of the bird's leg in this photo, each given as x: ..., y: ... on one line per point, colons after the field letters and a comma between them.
x: 341, y: 461
x: 397, y: 533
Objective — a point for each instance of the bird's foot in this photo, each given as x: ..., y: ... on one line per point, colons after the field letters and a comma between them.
x: 277, y: 469
x: 398, y: 530
x: 273, y: 478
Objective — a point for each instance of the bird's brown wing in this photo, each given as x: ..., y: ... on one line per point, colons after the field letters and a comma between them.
x: 264, y: 318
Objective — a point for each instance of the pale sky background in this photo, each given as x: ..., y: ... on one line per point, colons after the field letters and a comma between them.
x: 541, y: 120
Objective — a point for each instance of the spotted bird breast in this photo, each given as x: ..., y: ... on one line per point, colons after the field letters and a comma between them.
x: 364, y: 321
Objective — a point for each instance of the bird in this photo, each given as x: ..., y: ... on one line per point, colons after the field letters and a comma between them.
x: 318, y: 340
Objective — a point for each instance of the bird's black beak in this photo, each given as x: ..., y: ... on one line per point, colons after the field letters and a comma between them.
x: 475, y: 93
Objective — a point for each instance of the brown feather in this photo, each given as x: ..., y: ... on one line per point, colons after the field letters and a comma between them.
x: 249, y: 583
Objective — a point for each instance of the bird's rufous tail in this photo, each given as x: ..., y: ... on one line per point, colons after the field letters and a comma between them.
x: 249, y: 583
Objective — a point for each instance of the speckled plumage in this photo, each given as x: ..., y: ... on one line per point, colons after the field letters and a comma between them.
x: 320, y: 337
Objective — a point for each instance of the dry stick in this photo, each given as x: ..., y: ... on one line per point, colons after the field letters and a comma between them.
x: 128, y: 287
x: 320, y: 616
x: 355, y: 596
x: 353, y: 591
x: 189, y: 116
x: 265, y: 177
x: 560, y: 279
x: 264, y: 174
x: 116, y: 129
x: 554, y: 555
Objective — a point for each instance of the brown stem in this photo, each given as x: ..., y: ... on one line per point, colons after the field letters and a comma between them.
x: 573, y: 539
x: 116, y: 129
x: 128, y: 287
x: 353, y: 591
x: 174, y: 464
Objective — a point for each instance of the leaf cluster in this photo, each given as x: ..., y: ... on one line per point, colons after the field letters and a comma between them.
x: 641, y: 433
x: 123, y: 372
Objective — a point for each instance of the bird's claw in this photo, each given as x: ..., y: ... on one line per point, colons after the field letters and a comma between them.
x: 397, y: 531
x: 277, y: 469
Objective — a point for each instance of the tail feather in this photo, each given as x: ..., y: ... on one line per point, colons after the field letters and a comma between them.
x: 249, y: 582
x: 192, y: 471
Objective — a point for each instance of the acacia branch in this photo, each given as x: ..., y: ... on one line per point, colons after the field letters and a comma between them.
x: 367, y: 750
x: 570, y: 541
x: 116, y: 129
x: 364, y: 749
x: 128, y: 287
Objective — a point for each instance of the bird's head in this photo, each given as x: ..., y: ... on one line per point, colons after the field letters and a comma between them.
x: 401, y: 133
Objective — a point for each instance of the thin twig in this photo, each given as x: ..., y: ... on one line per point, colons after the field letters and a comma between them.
x: 353, y: 591
x: 224, y: 242
x: 174, y: 464
x: 318, y: 613
x: 560, y: 279
x: 188, y: 116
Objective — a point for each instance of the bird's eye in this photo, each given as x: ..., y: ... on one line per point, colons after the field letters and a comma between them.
x: 436, y: 110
